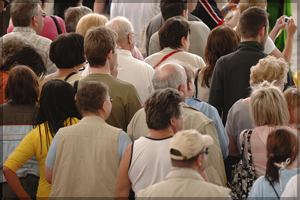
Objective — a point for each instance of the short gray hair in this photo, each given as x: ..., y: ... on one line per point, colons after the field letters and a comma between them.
x: 122, y: 26
x: 22, y: 11
x: 173, y: 80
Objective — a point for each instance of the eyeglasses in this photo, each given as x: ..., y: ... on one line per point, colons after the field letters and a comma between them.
x: 206, y: 151
x: 118, y: 48
x: 111, y: 99
x: 133, y: 34
x: 43, y: 15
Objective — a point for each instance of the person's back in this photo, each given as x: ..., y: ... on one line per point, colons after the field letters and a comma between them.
x: 29, y: 26
x: 131, y: 70
x: 154, y: 164
x: 96, y: 161
x: 179, y: 9
x: 101, y: 53
x: 230, y: 79
x: 164, y: 77
x: 189, y: 150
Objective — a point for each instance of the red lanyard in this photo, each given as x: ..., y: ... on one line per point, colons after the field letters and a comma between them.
x: 167, y: 56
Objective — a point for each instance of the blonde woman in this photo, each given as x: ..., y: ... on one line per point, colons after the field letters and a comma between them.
x: 292, y: 96
x: 269, y: 111
x: 238, y: 119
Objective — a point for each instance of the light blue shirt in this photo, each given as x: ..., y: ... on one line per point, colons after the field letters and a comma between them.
x: 123, y: 142
x: 212, y: 113
x: 262, y: 187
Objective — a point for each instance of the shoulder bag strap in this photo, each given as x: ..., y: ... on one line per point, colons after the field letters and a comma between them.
x: 69, y: 75
x: 76, y: 85
x: 273, y: 189
x: 196, y: 82
x: 167, y: 56
x: 243, y: 142
x: 249, y: 146
x: 56, y: 23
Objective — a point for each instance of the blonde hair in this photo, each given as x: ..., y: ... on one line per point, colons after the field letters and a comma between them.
x: 292, y: 96
x: 245, y: 4
x: 268, y: 106
x: 88, y: 21
x: 269, y: 69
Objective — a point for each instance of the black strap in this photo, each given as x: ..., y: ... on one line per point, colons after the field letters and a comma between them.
x: 76, y: 85
x: 56, y: 23
x: 196, y: 82
x: 71, y: 74
x: 273, y: 188
x: 249, y: 132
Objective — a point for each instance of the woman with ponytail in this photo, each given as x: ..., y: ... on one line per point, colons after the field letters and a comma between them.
x: 282, y: 153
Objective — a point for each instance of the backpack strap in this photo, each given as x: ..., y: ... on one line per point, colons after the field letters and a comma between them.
x: 56, y: 23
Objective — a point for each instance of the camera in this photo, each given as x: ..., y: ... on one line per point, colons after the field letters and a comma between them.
x: 285, y: 19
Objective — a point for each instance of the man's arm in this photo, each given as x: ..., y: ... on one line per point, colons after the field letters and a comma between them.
x: 123, y: 184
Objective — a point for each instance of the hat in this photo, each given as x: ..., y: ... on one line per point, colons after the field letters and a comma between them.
x: 189, y: 143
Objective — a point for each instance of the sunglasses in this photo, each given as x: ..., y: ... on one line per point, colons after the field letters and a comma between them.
x: 206, y: 151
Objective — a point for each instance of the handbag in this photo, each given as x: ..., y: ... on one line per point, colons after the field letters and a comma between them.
x: 243, y: 173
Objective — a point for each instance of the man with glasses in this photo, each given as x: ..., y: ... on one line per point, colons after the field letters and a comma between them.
x: 172, y: 75
x: 84, y: 159
x: 27, y: 17
x: 188, y: 150
x: 133, y: 70
x: 101, y: 52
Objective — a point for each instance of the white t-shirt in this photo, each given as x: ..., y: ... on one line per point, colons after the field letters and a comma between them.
x: 150, y: 162
x: 291, y: 188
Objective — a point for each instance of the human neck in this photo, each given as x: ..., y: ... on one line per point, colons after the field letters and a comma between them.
x: 90, y: 114
x: 126, y: 46
x: 159, y: 134
x: 250, y: 39
x: 100, y: 69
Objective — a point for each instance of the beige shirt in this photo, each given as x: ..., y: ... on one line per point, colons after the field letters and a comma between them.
x: 198, y: 38
x: 87, y: 160
x: 39, y: 42
x: 193, y: 60
x: 184, y: 182
x: 194, y: 120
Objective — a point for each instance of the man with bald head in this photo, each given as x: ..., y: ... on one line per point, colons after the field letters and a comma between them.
x: 173, y: 75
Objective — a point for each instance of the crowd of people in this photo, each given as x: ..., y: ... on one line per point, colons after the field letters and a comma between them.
x: 165, y: 102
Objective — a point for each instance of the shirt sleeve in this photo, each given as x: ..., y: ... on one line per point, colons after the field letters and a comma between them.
x: 269, y: 46
x: 209, y: 13
x: 25, y: 150
x: 123, y: 142
x: 51, y: 156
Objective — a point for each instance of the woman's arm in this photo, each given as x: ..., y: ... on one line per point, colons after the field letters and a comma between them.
x: 291, y: 28
x: 15, y: 184
x: 123, y: 184
x: 279, y: 25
